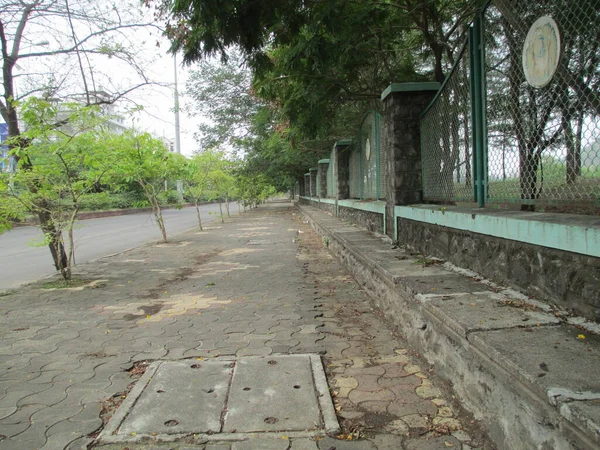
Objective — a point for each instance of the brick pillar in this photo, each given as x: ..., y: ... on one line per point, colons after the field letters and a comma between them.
x: 322, y: 177
x: 342, y: 169
x: 403, y: 103
x: 313, y: 181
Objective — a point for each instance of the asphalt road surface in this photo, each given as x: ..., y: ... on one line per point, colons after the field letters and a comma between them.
x: 21, y: 262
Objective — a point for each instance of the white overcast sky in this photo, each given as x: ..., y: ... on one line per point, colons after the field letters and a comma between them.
x: 50, y: 33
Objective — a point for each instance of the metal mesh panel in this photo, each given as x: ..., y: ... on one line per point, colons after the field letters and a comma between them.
x: 331, y: 175
x: 369, y: 156
x: 446, y: 139
x: 381, y: 152
x: 355, y: 172
x: 544, y: 141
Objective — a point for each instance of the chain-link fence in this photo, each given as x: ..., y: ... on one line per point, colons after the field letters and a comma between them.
x: 355, y: 171
x: 446, y: 138
x: 540, y: 109
x: 331, y: 175
x: 543, y: 127
x: 367, y: 178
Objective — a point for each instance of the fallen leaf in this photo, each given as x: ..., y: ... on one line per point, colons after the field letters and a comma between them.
x: 581, y: 336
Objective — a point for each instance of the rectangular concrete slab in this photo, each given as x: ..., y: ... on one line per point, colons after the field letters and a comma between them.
x: 479, y: 311
x: 586, y: 416
x: 560, y: 362
x: 275, y: 393
x: 181, y: 397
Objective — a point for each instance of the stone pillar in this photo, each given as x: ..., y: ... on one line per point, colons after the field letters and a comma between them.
x: 313, y: 181
x: 322, y: 177
x: 301, y: 186
x: 342, y: 169
x: 307, y: 184
x: 403, y: 103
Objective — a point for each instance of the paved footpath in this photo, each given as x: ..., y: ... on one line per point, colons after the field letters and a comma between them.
x: 261, y: 284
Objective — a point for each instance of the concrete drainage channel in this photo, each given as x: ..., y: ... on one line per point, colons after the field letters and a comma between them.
x: 225, y: 399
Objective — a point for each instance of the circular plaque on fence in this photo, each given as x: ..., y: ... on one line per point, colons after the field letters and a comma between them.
x: 368, y: 149
x: 541, y: 52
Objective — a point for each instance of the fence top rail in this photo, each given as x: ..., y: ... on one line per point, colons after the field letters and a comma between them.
x: 323, y: 161
x: 313, y: 169
x: 307, y: 174
x: 343, y: 143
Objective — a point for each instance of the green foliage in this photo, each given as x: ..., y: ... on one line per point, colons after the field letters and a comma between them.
x: 61, y: 157
x: 108, y: 200
x: 223, y: 98
x: 10, y: 208
x: 170, y: 198
x: 316, y: 68
x: 254, y: 189
x: 145, y: 161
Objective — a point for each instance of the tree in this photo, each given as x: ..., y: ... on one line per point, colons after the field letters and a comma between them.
x: 144, y: 160
x: 64, y: 164
x: 221, y: 94
x: 198, y: 177
x: 55, y: 48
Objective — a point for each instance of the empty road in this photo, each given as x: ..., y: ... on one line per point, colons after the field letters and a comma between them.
x: 21, y: 262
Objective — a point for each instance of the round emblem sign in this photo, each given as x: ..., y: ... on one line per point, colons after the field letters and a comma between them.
x: 368, y: 149
x: 541, y: 52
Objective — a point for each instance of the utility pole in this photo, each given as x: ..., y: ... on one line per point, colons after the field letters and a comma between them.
x: 176, y: 98
x: 177, y: 135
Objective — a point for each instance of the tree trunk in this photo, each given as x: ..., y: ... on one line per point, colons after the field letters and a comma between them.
x: 160, y: 222
x: 199, y: 217
x: 221, y: 210
x: 55, y: 242
x: 570, y: 144
x: 227, y: 206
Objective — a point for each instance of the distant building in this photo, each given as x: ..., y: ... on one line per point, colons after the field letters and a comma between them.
x: 115, y: 122
x: 168, y: 143
x: 7, y: 163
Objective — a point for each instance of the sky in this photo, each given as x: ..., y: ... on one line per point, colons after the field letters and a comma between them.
x: 150, y: 108
x: 158, y: 116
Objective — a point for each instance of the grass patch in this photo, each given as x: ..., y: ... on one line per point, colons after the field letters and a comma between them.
x: 7, y: 293
x: 63, y: 284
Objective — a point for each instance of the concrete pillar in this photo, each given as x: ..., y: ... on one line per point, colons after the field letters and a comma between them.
x: 322, y: 177
x: 313, y: 181
x: 403, y: 103
x: 342, y: 169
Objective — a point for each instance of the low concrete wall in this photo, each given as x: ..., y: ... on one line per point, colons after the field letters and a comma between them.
x: 492, y: 346
x: 566, y: 279
x: 372, y: 221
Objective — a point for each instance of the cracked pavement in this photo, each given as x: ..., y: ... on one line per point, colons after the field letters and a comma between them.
x: 263, y: 283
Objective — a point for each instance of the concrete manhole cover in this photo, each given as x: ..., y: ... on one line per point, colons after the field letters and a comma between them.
x: 225, y: 399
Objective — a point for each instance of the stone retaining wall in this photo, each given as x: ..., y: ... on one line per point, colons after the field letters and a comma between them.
x: 370, y: 220
x: 569, y: 280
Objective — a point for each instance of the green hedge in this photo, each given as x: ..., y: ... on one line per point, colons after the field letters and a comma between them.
x: 107, y: 200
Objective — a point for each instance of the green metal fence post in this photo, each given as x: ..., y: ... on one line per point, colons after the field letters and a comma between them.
x: 477, y: 109
x: 378, y: 159
x: 361, y: 177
